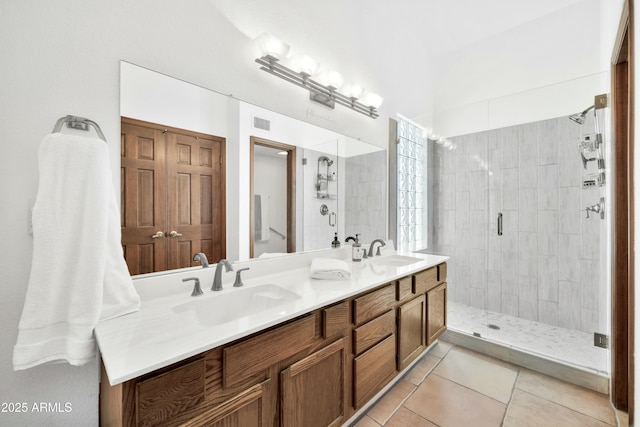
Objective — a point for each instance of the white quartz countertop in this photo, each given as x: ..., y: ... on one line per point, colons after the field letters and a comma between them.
x: 161, y: 334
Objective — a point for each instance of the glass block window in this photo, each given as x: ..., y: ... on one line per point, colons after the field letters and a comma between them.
x: 412, y: 203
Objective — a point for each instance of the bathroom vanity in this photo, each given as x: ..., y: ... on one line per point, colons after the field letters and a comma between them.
x: 319, y: 359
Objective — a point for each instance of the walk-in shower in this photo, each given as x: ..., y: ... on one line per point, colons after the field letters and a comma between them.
x: 535, y: 283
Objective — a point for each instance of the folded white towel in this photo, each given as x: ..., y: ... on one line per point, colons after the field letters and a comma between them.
x: 78, y: 273
x: 329, y: 269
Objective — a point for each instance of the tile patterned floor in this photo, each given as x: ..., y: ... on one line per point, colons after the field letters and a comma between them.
x: 453, y: 386
x: 566, y: 345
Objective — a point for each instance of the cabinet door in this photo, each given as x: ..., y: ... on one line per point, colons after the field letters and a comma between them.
x: 372, y: 370
x: 436, y: 312
x: 411, y: 330
x: 312, y: 390
x: 247, y: 409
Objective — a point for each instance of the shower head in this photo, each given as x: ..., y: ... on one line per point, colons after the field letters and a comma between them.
x: 580, y: 117
x: 325, y: 159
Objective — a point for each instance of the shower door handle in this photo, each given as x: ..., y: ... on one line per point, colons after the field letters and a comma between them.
x: 500, y: 224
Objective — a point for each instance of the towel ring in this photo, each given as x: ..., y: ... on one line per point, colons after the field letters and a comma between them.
x: 80, y: 123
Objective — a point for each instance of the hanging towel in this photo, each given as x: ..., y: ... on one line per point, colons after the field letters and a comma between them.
x: 262, y: 231
x: 329, y: 269
x: 78, y: 272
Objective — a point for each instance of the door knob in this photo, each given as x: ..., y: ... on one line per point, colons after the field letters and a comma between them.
x: 175, y: 234
x: 158, y: 235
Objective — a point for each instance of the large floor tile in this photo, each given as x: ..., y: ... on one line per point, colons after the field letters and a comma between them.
x: 529, y: 410
x: 478, y: 372
x: 440, y: 349
x: 579, y: 399
x: 446, y: 403
x: 387, y: 405
x: 366, y: 422
x: 407, y: 418
x: 421, y: 369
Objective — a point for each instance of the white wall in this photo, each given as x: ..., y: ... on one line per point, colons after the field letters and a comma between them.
x: 157, y: 98
x: 525, y: 75
x: 270, y: 180
x: 63, y: 57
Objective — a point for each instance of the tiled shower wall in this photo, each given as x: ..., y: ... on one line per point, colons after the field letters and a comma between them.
x: 364, y: 202
x: 546, y: 265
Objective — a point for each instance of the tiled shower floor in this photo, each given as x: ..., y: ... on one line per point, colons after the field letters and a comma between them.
x: 565, y: 345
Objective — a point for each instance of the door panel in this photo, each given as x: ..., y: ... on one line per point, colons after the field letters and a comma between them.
x: 143, y: 203
x: 194, y: 187
x: 173, y: 189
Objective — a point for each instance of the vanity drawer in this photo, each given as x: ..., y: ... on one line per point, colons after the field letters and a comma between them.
x: 243, y: 360
x: 162, y: 397
x: 404, y: 288
x: 372, y: 304
x: 426, y: 280
x: 373, y: 332
x: 335, y: 319
x: 372, y: 370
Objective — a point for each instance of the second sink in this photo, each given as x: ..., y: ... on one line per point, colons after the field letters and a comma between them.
x: 235, y: 304
x: 397, y: 260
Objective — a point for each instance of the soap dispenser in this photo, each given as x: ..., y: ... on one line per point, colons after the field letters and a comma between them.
x: 356, y: 250
x: 336, y: 242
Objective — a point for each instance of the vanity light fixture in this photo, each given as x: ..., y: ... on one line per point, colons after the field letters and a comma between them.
x: 324, y: 87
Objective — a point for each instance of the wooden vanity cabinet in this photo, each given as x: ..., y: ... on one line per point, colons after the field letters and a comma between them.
x: 412, y: 327
x: 312, y: 391
x: 315, y: 370
x: 437, y: 309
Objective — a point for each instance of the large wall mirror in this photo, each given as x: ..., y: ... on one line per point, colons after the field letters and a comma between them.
x: 278, y: 185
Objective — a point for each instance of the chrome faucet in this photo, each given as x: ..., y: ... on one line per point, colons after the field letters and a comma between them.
x: 382, y: 243
x: 202, y: 258
x: 217, y: 277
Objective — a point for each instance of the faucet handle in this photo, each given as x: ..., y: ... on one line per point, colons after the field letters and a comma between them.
x: 238, y: 281
x: 197, y: 290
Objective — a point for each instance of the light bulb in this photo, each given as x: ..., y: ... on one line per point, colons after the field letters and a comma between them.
x: 330, y: 78
x: 353, y: 90
x: 271, y: 46
x: 371, y: 99
x: 305, y: 64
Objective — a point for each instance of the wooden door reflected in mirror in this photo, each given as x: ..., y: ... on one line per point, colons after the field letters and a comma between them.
x: 173, y: 196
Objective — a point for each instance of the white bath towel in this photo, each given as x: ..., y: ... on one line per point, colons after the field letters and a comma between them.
x: 329, y: 269
x: 78, y: 273
x: 262, y: 218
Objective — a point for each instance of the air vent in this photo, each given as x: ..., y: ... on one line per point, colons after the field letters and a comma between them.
x: 260, y: 123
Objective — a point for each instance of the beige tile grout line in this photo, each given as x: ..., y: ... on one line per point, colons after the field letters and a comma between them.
x: 513, y: 389
x: 414, y: 390
x: 508, y: 405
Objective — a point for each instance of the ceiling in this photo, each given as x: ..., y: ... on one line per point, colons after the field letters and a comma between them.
x: 435, y: 25
x: 388, y: 46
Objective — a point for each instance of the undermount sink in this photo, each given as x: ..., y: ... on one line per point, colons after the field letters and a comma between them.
x: 397, y: 260
x: 237, y: 303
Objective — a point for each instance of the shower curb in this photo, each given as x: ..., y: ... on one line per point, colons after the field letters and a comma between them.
x: 571, y: 374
